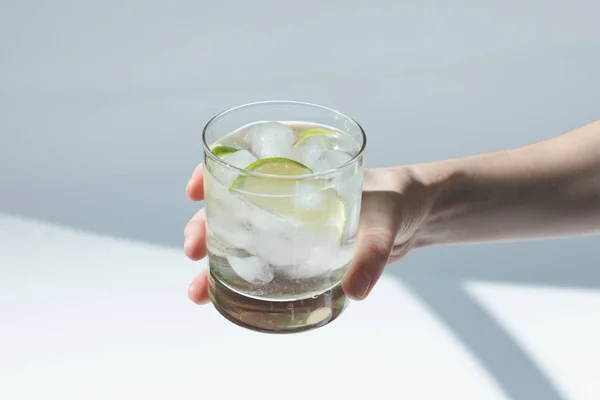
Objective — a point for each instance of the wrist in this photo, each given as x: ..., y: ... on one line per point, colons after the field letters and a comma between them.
x: 441, y: 182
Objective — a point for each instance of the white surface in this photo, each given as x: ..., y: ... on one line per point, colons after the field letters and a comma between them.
x: 85, y: 316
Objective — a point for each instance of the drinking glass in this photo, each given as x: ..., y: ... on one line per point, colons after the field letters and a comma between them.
x: 282, y: 186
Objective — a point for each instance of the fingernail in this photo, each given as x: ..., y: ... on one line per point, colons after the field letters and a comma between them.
x: 362, y: 282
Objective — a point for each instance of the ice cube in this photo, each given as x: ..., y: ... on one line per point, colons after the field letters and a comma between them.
x: 320, y: 261
x: 330, y: 159
x: 214, y: 245
x: 344, y: 256
x: 228, y: 228
x: 219, y: 198
x: 264, y: 220
x: 240, y: 159
x: 240, y: 140
x: 271, y: 139
x: 281, y: 248
x: 309, y: 150
x: 350, y: 187
x: 309, y: 195
x: 344, y: 144
x: 252, y: 269
x: 214, y: 191
x: 323, y: 260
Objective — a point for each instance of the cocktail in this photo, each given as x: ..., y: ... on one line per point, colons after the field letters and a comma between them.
x: 283, y: 183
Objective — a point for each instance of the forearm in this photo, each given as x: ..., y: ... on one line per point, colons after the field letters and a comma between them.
x: 547, y: 189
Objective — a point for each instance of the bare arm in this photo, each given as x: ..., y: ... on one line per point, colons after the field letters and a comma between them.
x: 547, y: 189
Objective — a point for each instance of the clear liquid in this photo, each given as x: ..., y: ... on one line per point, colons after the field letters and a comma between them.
x: 270, y: 271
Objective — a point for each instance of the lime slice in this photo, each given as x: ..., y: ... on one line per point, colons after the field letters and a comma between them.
x: 271, y: 166
x: 312, y: 136
x: 305, y: 202
x: 222, y: 150
x: 321, y: 314
x: 313, y: 132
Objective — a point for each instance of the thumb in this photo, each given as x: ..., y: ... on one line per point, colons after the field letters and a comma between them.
x: 375, y: 241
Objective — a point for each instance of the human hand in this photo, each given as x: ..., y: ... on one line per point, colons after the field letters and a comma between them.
x: 395, y: 205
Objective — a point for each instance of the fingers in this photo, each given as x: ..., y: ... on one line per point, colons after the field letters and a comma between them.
x: 195, y: 237
x: 198, y: 290
x: 195, y: 249
x: 195, y: 186
x: 375, y: 241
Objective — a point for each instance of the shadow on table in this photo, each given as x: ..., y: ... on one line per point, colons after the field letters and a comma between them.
x: 435, y: 278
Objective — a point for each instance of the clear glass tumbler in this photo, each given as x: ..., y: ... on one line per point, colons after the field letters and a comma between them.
x: 282, y: 186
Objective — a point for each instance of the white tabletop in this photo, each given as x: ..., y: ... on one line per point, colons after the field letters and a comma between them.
x: 88, y: 316
x: 101, y: 107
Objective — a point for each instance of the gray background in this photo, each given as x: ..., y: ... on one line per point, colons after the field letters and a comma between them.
x: 102, y: 105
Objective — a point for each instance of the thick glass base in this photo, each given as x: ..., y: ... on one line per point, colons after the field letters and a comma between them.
x: 277, y: 316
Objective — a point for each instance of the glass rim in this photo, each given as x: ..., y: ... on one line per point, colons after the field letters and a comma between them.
x: 353, y: 160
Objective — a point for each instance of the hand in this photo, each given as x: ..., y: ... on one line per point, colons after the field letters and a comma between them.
x: 394, y: 207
